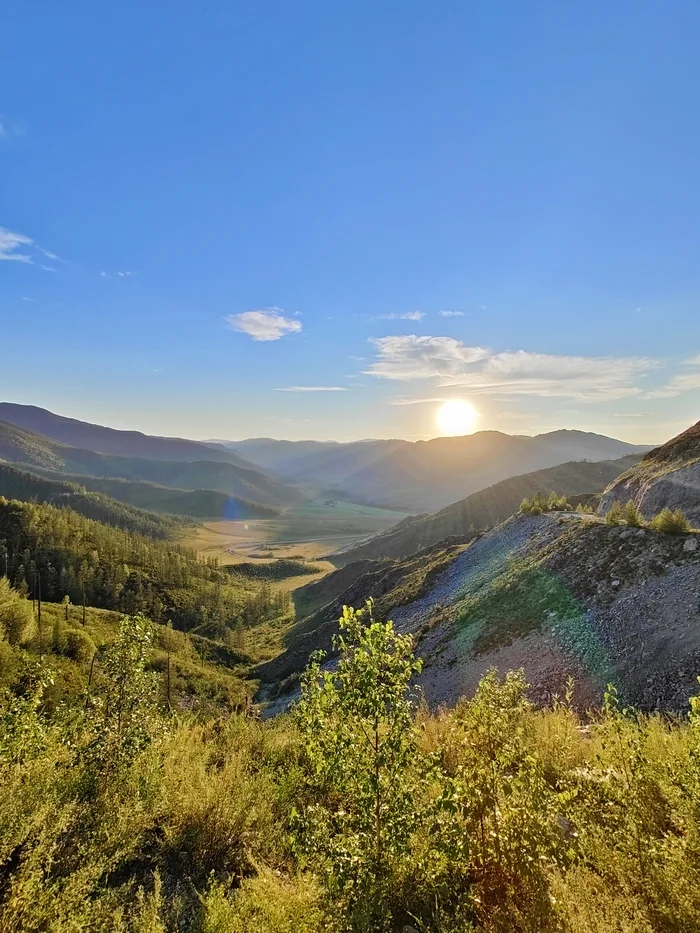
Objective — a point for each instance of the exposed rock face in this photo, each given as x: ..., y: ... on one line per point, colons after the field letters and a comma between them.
x: 667, y: 476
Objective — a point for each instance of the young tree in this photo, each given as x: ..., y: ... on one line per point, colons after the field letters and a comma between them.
x: 357, y: 723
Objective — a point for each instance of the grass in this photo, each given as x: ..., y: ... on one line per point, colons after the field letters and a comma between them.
x: 309, y: 531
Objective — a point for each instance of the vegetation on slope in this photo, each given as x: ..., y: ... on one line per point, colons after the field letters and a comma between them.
x: 487, y: 508
x: 21, y: 484
x: 54, y: 552
x: 190, y: 503
x: 362, y: 813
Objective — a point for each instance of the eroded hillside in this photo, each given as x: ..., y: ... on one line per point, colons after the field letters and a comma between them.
x: 558, y: 595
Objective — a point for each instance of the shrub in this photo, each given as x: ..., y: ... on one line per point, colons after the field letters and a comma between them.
x: 357, y: 723
x: 16, y: 616
x: 78, y: 645
x: 615, y: 515
x: 525, y: 505
x: 633, y: 516
x: 670, y: 522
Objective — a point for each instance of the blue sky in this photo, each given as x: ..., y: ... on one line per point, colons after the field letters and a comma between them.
x: 205, y: 206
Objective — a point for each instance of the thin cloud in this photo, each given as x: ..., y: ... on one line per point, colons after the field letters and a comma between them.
x: 16, y: 247
x: 452, y: 313
x: 679, y: 384
x: 112, y: 275
x: 404, y: 316
x: 447, y: 362
x: 312, y: 389
x: 270, y: 324
x: 8, y: 129
x: 417, y: 401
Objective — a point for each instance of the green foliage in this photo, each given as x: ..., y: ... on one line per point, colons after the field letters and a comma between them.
x: 78, y: 645
x: 615, y: 514
x: 356, y: 723
x: 538, y: 504
x: 633, y: 516
x: 125, y: 714
x: 20, y: 484
x: 62, y: 553
x: 670, y: 522
x: 16, y: 617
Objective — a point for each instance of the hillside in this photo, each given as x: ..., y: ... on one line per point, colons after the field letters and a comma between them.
x: 666, y: 476
x: 20, y: 484
x: 88, y: 436
x: 428, y: 475
x: 325, y: 465
x: 29, y: 449
x: 557, y: 596
x: 487, y: 507
x: 190, y: 503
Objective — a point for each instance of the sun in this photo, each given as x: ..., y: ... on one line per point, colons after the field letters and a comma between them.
x: 456, y: 417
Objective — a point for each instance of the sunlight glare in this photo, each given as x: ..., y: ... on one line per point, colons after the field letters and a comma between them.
x: 456, y: 417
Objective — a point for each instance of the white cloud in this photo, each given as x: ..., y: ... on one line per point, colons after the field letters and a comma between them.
x: 417, y: 401
x: 452, y: 313
x: 16, y: 247
x: 270, y: 324
x: 11, y: 245
x: 678, y: 385
x: 448, y: 362
x: 406, y: 316
x: 121, y: 275
x: 313, y: 389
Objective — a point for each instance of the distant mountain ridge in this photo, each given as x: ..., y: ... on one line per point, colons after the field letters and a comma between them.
x: 105, y: 440
x: 424, y: 476
x: 28, y: 449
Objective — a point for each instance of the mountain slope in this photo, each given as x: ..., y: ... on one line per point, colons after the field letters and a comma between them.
x: 88, y: 436
x: 25, y: 486
x: 558, y: 596
x: 487, y: 507
x: 151, y: 497
x: 666, y: 476
x: 29, y: 449
x: 428, y: 475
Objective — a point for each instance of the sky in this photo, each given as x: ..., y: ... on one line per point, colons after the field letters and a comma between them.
x: 317, y: 219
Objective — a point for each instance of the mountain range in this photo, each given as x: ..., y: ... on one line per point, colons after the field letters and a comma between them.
x: 423, y: 476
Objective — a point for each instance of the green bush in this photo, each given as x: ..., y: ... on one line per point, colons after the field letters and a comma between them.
x: 670, y: 522
x: 615, y: 514
x: 79, y: 646
x: 633, y: 516
x: 16, y: 616
x: 525, y: 506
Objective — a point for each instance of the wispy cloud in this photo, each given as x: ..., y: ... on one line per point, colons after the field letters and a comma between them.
x: 270, y: 324
x: 9, y: 129
x: 312, y: 389
x: 16, y: 247
x: 417, y: 401
x: 403, y: 316
x: 115, y: 275
x: 682, y: 382
x: 452, y: 313
x: 444, y: 362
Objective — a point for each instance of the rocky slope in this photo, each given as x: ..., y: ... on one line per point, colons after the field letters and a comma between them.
x: 556, y: 595
x: 666, y: 476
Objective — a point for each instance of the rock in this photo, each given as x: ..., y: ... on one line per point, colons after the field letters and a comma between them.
x: 624, y: 535
x: 616, y: 583
x: 690, y: 545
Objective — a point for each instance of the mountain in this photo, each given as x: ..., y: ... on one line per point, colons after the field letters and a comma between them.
x: 325, y: 464
x: 427, y: 475
x: 487, y: 507
x: 29, y: 449
x: 556, y: 595
x: 25, y: 486
x: 188, y: 503
x: 88, y: 436
x: 666, y: 476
